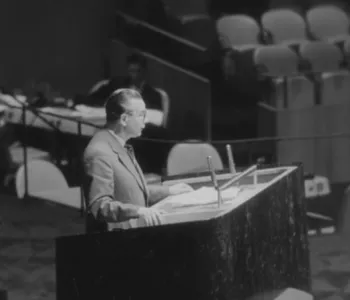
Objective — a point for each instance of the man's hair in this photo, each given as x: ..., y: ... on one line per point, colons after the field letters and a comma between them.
x: 137, y: 59
x: 116, y: 101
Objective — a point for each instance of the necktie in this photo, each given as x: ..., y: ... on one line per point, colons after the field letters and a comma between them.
x: 130, y: 150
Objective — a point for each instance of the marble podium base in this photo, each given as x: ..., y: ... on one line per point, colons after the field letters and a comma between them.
x: 258, y: 247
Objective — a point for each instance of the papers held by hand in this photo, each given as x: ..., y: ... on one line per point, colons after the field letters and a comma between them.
x: 203, y: 196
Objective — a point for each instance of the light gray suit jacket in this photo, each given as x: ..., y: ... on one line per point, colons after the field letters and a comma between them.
x: 114, y: 188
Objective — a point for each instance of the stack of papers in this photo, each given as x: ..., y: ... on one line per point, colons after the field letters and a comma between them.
x: 203, y: 196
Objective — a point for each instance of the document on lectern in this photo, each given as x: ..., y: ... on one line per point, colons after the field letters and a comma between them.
x: 202, y: 196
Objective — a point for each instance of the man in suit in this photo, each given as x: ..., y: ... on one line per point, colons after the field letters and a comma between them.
x: 114, y: 185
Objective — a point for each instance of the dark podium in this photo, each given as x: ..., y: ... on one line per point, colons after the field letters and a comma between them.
x: 254, y: 245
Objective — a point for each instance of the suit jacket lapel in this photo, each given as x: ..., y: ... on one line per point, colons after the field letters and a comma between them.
x: 126, y: 161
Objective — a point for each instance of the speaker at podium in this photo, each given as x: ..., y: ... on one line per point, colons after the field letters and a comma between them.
x: 222, y: 247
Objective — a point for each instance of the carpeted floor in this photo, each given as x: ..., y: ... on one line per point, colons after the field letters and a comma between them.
x: 27, y: 257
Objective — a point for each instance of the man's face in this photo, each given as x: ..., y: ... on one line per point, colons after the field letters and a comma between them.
x: 135, y: 73
x: 135, y: 117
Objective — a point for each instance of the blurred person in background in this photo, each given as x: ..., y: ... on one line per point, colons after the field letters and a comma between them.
x: 136, y: 78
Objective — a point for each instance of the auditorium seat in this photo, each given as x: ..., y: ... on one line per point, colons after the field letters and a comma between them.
x: 17, y: 154
x: 199, y: 29
x: 322, y: 56
x: 46, y: 181
x: 240, y: 32
x: 327, y: 21
x: 276, y: 61
x: 191, y: 157
x: 286, y: 26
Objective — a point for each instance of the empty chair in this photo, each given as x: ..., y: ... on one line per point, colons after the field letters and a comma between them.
x: 322, y: 56
x: 185, y: 158
x: 327, y: 21
x: 285, y: 26
x: 276, y: 61
x: 46, y: 181
x: 238, y: 31
x: 17, y: 154
x: 199, y: 29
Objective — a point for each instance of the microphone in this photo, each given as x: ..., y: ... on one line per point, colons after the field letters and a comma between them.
x: 214, y: 180
x: 231, y: 163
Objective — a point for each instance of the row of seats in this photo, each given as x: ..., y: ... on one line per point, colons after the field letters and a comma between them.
x: 313, y: 56
x: 284, y: 26
x: 326, y: 81
x: 309, y: 70
x: 309, y: 106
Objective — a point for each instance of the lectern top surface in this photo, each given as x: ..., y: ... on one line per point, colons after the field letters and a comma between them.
x: 203, y: 204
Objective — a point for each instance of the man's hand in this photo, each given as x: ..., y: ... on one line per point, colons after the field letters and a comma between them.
x: 180, y: 188
x: 152, y: 216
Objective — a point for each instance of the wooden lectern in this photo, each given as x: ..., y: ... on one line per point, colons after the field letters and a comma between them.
x: 254, y: 244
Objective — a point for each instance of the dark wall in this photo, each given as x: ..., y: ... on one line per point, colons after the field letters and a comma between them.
x: 59, y: 42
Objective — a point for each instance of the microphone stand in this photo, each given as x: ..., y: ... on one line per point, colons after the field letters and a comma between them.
x: 214, y: 180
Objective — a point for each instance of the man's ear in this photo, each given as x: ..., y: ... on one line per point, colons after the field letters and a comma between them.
x: 123, y: 119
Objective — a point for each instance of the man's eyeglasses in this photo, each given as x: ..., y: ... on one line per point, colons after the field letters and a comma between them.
x: 141, y: 114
